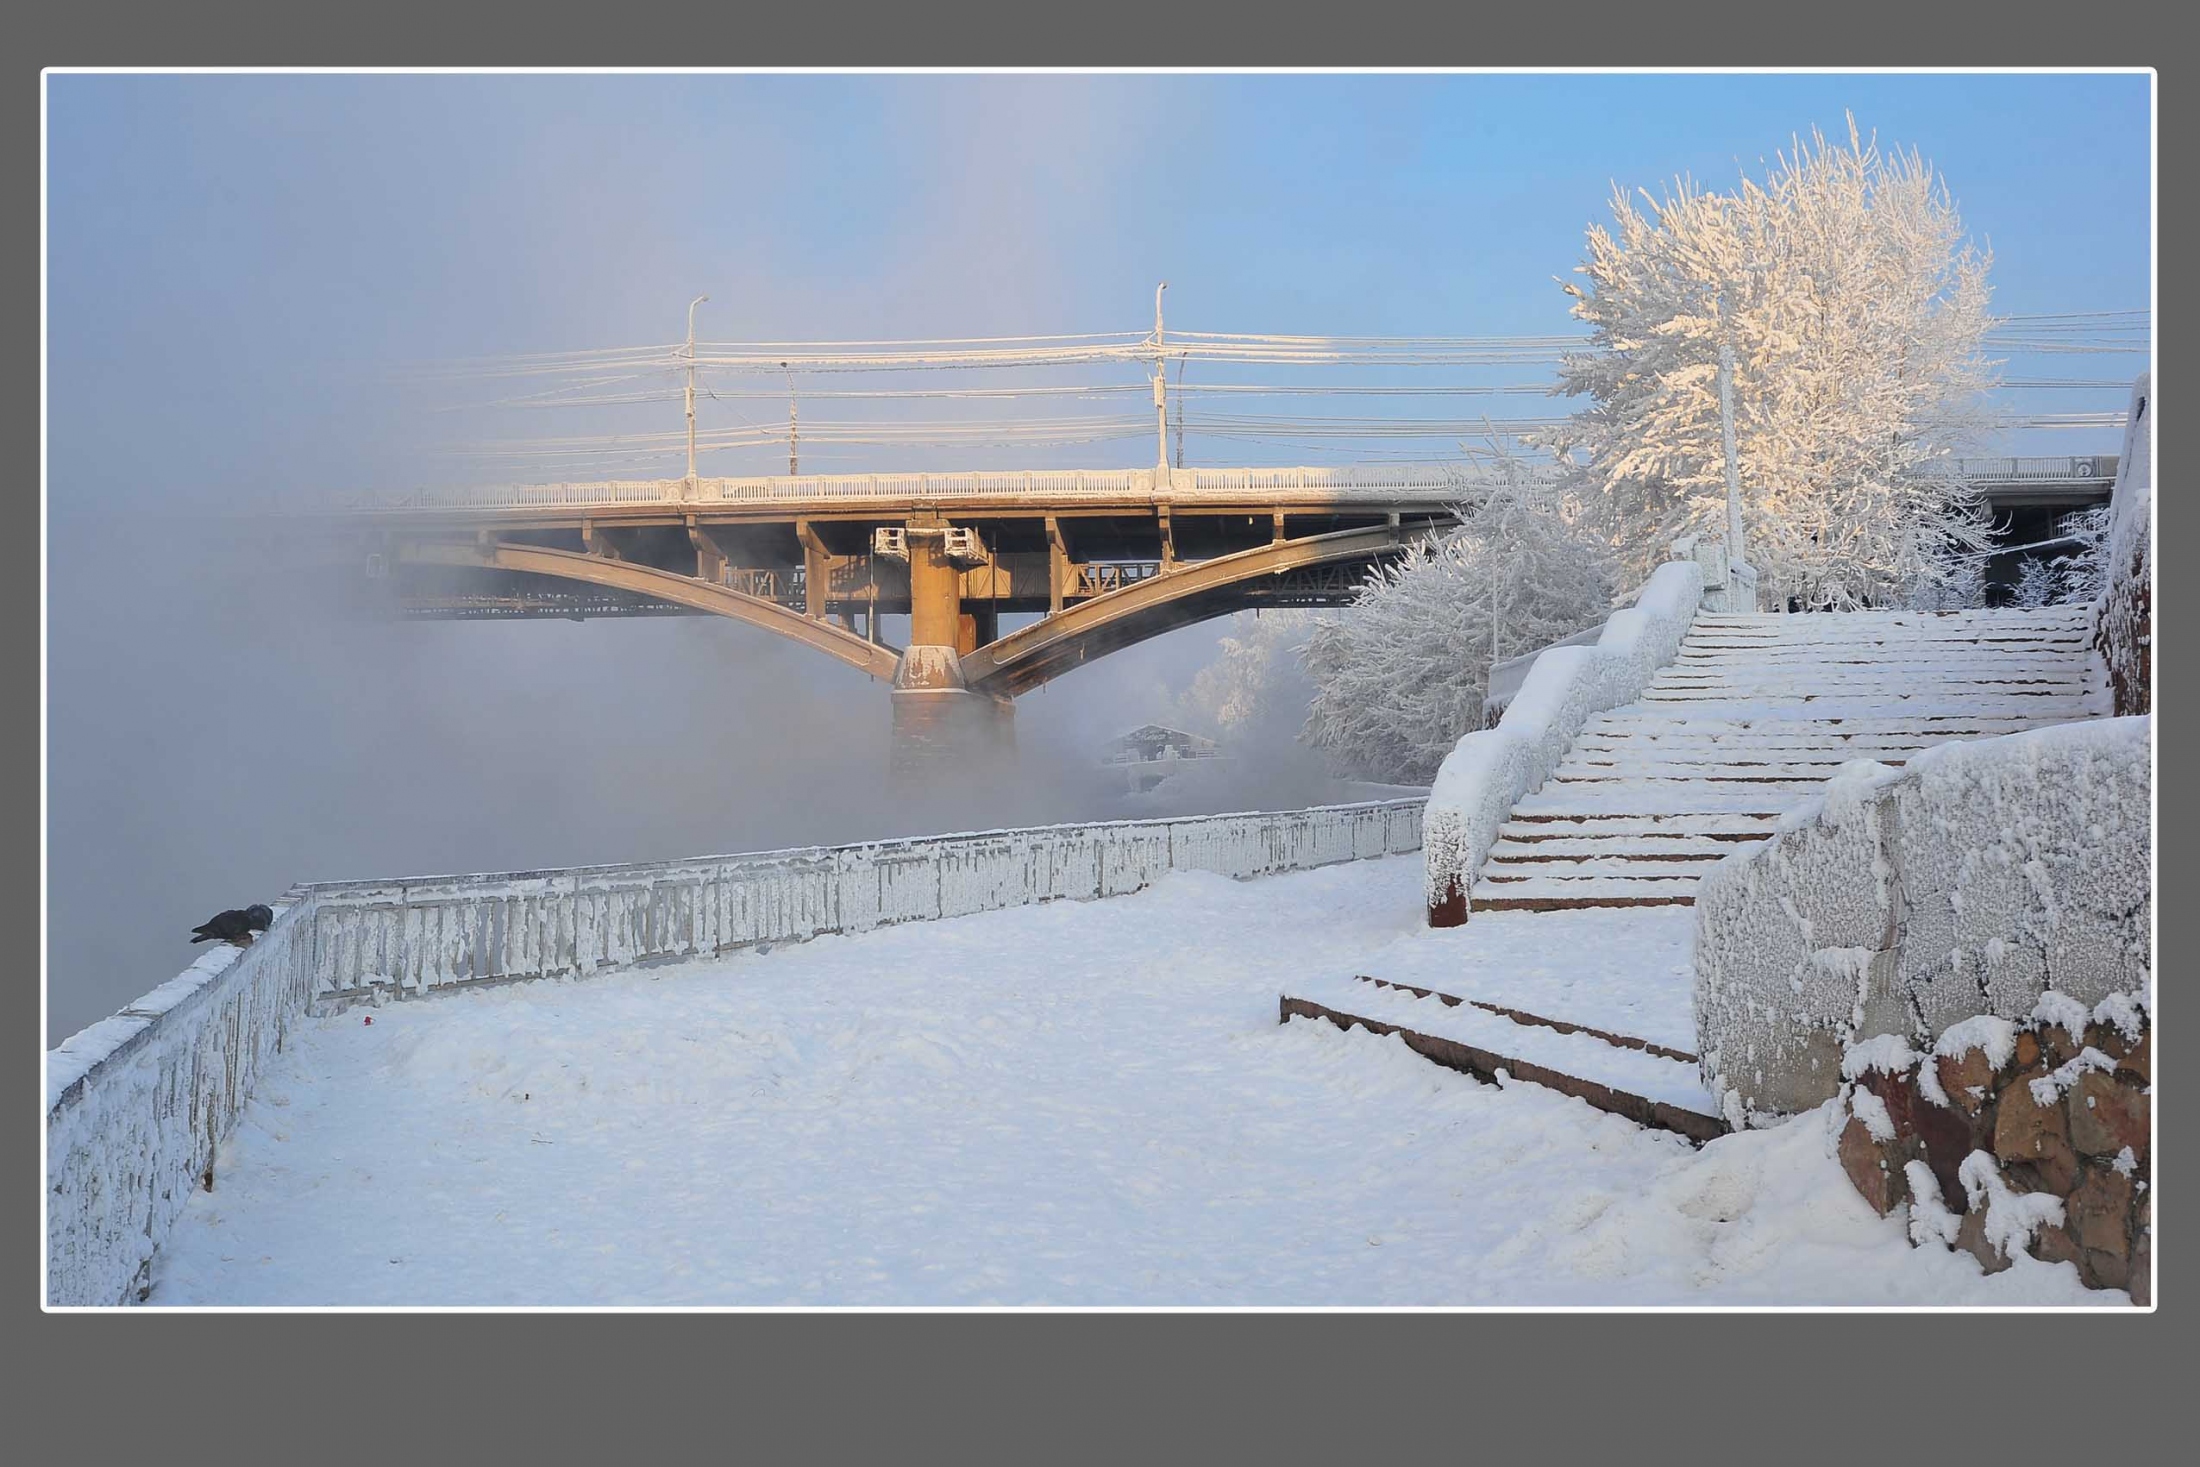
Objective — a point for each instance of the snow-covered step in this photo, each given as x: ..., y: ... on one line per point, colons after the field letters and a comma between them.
x: 1675, y: 848
x: 1646, y: 1088
x: 1522, y: 865
x: 1627, y: 785
x: 1618, y: 798
x: 1546, y: 893
x: 1760, y: 718
x: 1710, y: 825
x: 1718, y: 771
x: 1538, y: 1021
x: 1973, y: 683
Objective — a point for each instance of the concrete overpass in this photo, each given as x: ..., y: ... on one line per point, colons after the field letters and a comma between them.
x: 1092, y: 560
x: 1095, y: 560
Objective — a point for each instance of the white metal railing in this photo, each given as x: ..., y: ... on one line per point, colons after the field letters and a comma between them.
x: 2072, y: 469
x: 1373, y: 482
x: 1377, y: 482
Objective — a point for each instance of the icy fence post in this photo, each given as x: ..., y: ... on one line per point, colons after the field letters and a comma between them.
x: 2124, y: 618
x: 137, y: 1103
x: 1983, y: 875
x: 1489, y: 770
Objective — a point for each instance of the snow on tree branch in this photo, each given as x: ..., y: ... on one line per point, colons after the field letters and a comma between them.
x: 1856, y: 308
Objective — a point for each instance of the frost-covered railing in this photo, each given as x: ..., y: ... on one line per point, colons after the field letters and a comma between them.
x: 406, y: 938
x: 137, y: 1103
x: 1375, y: 483
x: 2085, y: 469
x: 1489, y: 771
x: 1978, y: 877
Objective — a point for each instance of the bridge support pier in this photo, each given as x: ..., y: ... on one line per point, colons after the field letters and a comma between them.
x: 940, y: 726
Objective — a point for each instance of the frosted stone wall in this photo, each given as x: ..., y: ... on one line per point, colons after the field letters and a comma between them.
x: 2125, y: 622
x: 1982, y: 875
x: 1488, y: 771
x: 136, y: 1104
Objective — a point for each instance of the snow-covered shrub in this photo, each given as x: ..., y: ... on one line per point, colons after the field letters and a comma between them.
x: 1400, y: 675
x: 1855, y: 308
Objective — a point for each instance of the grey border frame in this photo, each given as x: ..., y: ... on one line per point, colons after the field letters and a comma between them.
x: 1068, y: 1387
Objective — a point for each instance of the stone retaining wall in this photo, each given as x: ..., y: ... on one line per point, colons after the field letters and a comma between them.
x: 1980, y: 876
x: 2033, y: 1135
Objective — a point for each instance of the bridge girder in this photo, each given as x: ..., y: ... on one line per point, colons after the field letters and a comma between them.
x: 669, y: 586
x: 1187, y: 592
x: 1183, y: 593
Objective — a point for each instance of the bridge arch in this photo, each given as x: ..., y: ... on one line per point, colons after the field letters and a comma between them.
x: 663, y: 585
x: 1186, y: 593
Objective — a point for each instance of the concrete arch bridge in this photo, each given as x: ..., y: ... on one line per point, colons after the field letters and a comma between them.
x: 1088, y: 561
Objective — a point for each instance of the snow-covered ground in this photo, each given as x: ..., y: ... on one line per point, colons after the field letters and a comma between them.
x: 1073, y: 1104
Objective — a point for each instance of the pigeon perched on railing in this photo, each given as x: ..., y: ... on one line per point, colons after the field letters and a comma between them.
x: 234, y: 926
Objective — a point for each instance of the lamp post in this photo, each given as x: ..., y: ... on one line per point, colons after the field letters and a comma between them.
x: 691, y: 392
x: 1160, y: 388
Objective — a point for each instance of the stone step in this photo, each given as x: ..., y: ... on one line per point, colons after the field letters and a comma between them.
x: 1520, y: 867
x: 1520, y: 1016
x: 1729, y: 825
x: 2015, y: 680
x: 1643, y: 1086
x: 1724, y: 771
x: 1678, y: 849
x: 1931, y: 727
x: 1615, y: 782
x: 1562, y: 894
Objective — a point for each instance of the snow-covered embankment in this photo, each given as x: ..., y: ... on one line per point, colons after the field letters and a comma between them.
x: 137, y: 1103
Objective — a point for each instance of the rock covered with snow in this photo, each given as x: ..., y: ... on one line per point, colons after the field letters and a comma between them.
x: 1488, y: 772
x: 2012, y: 1138
x: 1983, y: 875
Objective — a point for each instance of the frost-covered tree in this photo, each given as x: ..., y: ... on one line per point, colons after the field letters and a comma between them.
x: 1855, y: 308
x: 2036, y: 584
x: 1255, y: 662
x: 1400, y: 675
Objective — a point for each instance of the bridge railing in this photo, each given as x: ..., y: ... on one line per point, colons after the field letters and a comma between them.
x: 1368, y: 482
x: 1374, y: 483
x: 2071, y: 469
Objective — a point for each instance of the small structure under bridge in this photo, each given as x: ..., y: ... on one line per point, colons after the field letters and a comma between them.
x: 1090, y: 561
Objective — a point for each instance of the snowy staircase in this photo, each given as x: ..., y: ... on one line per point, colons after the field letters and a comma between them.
x: 1650, y: 1084
x: 1756, y: 711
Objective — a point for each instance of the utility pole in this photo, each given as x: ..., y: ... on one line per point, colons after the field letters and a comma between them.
x: 794, y: 427
x: 691, y: 392
x: 1733, y: 468
x: 1180, y: 361
x: 1160, y: 387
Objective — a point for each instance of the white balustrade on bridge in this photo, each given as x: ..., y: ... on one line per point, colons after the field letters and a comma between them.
x: 1370, y: 483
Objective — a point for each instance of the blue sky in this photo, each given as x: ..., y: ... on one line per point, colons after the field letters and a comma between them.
x: 247, y: 256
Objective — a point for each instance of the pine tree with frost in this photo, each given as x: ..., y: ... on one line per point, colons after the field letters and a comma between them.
x: 1252, y: 667
x: 2082, y: 574
x: 1856, y: 310
x: 1400, y: 675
